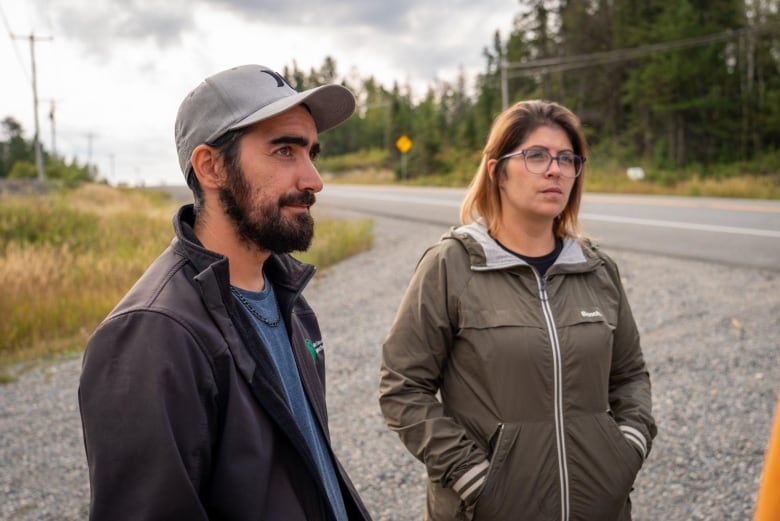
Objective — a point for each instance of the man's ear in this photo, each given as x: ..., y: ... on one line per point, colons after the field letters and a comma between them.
x: 208, y: 166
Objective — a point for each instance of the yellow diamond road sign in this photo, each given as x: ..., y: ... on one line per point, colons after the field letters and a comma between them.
x: 403, y: 144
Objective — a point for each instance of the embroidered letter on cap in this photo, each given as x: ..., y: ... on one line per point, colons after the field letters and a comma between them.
x: 280, y: 81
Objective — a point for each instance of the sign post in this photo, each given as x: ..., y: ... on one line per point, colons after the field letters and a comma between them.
x: 404, y: 145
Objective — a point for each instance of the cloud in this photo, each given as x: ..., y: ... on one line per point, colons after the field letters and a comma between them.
x: 418, y: 37
x: 118, y: 69
x: 100, y: 26
x: 389, y: 16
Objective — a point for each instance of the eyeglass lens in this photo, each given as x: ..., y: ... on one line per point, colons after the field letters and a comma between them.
x: 538, y: 161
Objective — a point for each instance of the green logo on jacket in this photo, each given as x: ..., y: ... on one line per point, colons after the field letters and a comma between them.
x: 312, y: 349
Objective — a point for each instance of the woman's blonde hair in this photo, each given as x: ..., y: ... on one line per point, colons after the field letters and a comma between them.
x: 509, y: 130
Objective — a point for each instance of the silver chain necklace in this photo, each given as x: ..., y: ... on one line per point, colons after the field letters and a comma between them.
x: 255, y: 313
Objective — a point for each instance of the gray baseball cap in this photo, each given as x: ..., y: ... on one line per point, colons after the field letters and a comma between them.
x: 241, y: 96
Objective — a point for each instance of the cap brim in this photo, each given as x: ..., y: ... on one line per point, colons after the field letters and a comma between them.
x: 330, y: 105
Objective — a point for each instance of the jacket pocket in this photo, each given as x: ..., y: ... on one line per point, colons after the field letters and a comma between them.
x: 501, y: 442
x: 630, y: 455
x: 602, y: 467
x: 519, y: 481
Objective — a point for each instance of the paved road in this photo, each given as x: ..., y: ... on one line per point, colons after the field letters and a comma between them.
x: 738, y: 232
x: 730, y: 231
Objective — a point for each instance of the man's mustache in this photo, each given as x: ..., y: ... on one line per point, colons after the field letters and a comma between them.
x: 299, y: 199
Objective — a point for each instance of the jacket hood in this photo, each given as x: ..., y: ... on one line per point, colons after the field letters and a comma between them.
x: 486, y: 254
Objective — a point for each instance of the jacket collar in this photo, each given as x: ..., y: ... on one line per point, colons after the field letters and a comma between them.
x: 288, y: 275
x: 283, y: 270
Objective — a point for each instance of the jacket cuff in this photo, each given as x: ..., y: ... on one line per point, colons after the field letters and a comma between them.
x: 470, y: 484
x: 636, y: 439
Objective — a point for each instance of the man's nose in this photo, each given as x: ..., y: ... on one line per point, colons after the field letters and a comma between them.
x: 310, y: 179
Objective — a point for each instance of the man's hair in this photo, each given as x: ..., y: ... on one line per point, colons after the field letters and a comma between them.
x: 509, y: 130
x: 229, y: 147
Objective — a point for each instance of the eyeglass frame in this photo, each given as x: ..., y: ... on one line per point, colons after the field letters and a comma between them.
x: 525, y: 151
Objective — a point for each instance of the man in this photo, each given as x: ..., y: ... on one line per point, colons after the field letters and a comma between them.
x: 202, y: 393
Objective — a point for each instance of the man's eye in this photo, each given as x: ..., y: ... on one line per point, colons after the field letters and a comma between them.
x: 314, y: 154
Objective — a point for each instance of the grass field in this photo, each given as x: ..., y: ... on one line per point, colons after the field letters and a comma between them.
x: 66, y: 258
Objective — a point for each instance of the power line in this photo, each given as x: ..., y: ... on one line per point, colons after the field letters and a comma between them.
x: 586, y: 60
x: 22, y: 65
x: 564, y: 63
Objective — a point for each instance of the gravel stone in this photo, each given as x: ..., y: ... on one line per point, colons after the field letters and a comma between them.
x: 710, y: 334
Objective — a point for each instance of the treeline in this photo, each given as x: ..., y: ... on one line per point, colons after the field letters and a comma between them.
x: 679, y: 86
x: 17, y: 158
x: 690, y: 87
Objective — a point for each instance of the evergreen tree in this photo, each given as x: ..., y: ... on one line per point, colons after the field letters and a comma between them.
x: 14, y: 148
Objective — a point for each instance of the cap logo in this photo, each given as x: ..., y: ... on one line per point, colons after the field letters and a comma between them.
x: 280, y: 81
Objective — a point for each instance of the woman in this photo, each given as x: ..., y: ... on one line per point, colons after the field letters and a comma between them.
x: 513, y: 369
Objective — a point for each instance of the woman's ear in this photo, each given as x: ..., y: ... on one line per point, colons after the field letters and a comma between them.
x: 491, y: 169
x: 208, y: 166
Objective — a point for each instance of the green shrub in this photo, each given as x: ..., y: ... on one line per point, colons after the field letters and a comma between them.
x: 45, y: 222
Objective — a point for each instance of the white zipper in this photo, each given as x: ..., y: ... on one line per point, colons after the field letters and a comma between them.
x: 555, y: 347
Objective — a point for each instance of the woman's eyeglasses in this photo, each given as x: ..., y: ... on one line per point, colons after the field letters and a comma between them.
x: 538, y: 161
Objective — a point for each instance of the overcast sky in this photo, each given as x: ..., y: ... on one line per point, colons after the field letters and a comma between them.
x: 116, y: 70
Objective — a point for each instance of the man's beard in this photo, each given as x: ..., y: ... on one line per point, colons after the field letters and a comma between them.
x: 266, y: 227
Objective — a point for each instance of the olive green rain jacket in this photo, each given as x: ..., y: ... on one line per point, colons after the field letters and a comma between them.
x: 545, y: 407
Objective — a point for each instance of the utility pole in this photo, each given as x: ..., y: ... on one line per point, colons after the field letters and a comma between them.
x: 52, y: 118
x: 504, y: 84
x: 386, y: 105
x: 36, y: 138
x: 90, y: 136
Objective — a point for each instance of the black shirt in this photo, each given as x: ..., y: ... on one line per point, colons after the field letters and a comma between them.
x: 543, y: 263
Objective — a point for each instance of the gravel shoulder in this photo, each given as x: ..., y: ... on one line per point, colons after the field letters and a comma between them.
x: 711, y: 338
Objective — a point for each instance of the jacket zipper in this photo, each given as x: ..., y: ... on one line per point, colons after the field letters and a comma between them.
x: 555, y: 347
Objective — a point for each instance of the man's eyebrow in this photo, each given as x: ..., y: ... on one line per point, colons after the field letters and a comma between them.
x: 290, y: 140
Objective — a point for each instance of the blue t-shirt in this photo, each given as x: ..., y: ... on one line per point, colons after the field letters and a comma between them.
x: 273, y: 333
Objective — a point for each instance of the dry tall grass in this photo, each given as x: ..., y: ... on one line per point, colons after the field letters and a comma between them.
x: 66, y: 259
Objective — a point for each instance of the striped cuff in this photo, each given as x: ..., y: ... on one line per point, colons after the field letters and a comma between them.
x: 471, y: 482
x: 636, y: 439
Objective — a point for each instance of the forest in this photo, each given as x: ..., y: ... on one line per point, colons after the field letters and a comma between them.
x: 681, y: 88
x: 687, y: 87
